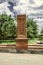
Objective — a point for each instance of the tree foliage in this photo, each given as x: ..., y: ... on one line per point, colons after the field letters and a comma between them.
x: 7, y: 27
x: 31, y: 28
x: 41, y: 35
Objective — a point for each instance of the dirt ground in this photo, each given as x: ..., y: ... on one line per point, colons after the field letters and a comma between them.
x: 20, y: 59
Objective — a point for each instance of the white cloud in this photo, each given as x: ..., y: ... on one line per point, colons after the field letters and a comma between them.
x: 39, y: 2
x: 25, y: 6
x: 4, y: 8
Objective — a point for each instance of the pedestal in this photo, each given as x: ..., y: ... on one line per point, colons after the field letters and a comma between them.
x: 21, y: 43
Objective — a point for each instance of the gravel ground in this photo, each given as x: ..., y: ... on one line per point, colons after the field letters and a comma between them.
x: 20, y: 59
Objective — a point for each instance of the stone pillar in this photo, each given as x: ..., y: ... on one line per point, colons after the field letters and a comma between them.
x: 21, y: 40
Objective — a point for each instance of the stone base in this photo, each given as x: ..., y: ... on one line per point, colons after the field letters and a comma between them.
x: 21, y: 43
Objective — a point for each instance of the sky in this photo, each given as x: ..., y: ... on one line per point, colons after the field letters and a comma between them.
x: 32, y: 8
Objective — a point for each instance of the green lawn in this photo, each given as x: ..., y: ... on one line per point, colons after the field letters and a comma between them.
x: 31, y: 41
x: 7, y: 42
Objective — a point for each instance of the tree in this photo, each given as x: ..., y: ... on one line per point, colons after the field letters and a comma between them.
x: 41, y: 36
x: 8, y: 27
x: 31, y: 28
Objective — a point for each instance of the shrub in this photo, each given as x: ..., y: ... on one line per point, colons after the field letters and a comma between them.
x: 31, y: 28
x: 7, y: 27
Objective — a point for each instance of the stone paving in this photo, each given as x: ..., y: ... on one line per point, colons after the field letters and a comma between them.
x: 20, y: 59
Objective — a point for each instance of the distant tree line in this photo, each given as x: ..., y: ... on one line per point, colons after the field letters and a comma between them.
x: 8, y: 27
x: 31, y: 28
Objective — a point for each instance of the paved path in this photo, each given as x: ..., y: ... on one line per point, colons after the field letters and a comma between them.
x: 20, y: 59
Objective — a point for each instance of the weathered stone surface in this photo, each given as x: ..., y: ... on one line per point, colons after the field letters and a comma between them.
x: 21, y: 40
x: 21, y: 25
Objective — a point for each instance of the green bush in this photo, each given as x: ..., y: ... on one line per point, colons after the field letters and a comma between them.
x: 41, y: 36
x: 7, y: 27
x: 31, y: 28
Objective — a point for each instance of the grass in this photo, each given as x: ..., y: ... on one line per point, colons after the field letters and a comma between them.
x: 7, y: 42
x: 30, y: 41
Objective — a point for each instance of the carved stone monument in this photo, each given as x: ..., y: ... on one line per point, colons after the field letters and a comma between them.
x: 21, y: 40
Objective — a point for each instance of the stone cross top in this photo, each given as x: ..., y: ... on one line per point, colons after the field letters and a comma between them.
x: 21, y: 40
